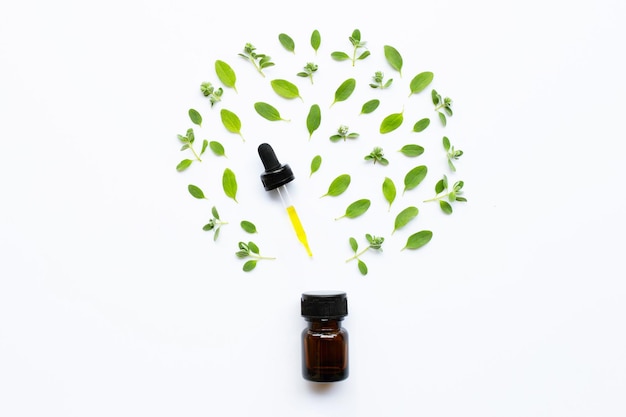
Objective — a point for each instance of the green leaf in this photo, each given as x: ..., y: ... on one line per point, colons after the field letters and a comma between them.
x: 446, y: 143
x: 226, y: 74
x: 391, y: 122
x: 287, y: 42
x: 316, y: 162
x: 412, y: 150
x: 404, y: 217
x: 354, y: 244
x: 419, y: 239
x: 393, y: 58
x: 229, y: 184
x: 316, y: 40
x: 215, y: 213
x: 421, y: 125
x: 421, y: 81
x: 345, y: 90
x: 445, y: 207
x: 313, y: 119
x: 362, y: 267
x: 205, y: 143
x: 253, y: 247
x: 196, y: 192
x: 267, y: 111
x: 195, y: 117
x: 389, y: 191
x: 370, y: 106
x: 442, y: 118
x: 231, y: 122
x: 414, y: 177
x: 183, y: 165
x: 340, y: 56
x: 249, y: 265
x: 285, y: 89
x: 247, y: 226
x: 338, y: 185
x: 356, y: 209
x: 217, y: 148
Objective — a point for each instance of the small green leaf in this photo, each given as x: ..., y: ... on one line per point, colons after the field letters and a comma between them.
x: 412, y: 150
x: 249, y: 265
x: 370, y: 106
x: 231, y: 122
x: 253, y: 247
x: 226, y: 74
x: 389, y: 191
x: 229, y: 184
x: 316, y: 162
x: 287, y: 42
x: 421, y: 81
x: 196, y: 192
x: 419, y: 239
x: 183, y: 165
x: 442, y: 118
x: 340, y: 56
x: 445, y: 207
x: 393, y: 58
x: 404, y: 217
x: 215, y: 213
x: 338, y: 185
x: 414, y: 177
x: 285, y: 89
x: 248, y: 226
x: 391, y: 122
x: 446, y: 143
x: 356, y: 209
x: 362, y: 267
x: 353, y: 244
x: 313, y: 119
x: 217, y: 148
x: 421, y: 125
x: 267, y: 111
x: 195, y: 117
x: 345, y: 90
x: 205, y: 143
x: 316, y: 40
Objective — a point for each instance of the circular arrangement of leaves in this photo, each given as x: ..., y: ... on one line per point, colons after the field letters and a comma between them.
x: 446, y: 192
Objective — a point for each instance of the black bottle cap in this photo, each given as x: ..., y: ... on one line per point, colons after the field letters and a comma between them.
x: 275, y: 174
x: 324, y: 305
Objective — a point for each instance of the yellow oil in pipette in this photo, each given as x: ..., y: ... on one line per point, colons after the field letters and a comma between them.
x: 275, y: 177
x: 297, y: 226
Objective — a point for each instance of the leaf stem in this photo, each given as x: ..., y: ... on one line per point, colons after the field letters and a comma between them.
x: 437, y: 198
x: 356, y: 256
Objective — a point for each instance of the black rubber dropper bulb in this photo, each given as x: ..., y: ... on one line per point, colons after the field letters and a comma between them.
x: 275, y: 177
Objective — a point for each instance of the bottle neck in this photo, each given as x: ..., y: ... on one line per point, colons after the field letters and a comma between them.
x: 324, y: 324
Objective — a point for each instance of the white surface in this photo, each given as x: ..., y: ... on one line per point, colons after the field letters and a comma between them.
x: 113, y: 301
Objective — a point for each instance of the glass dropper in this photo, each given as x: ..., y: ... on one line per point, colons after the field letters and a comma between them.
x: 275, y: 177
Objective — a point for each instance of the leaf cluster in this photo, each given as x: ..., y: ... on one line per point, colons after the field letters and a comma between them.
x: 443, y: 106
x: 379, y: 81
x: 214, y: 224
x: 308, y: 71
x: 249, y: 250
x: 343, y: 133
x: 451, y: 153
x: 208, y: 90
x: 377, y: 155
x: 357, y: 46
x: 374, y: 242
x: 446, y: 195
x: 260, y: 61
x: 187, y: 141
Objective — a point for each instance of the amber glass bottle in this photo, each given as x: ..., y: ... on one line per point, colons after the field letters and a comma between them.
x: 324, y: 341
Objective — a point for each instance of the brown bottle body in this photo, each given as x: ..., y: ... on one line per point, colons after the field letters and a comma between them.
x: 324, y: 351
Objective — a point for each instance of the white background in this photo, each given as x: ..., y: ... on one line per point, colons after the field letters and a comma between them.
x: 113, y: 301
